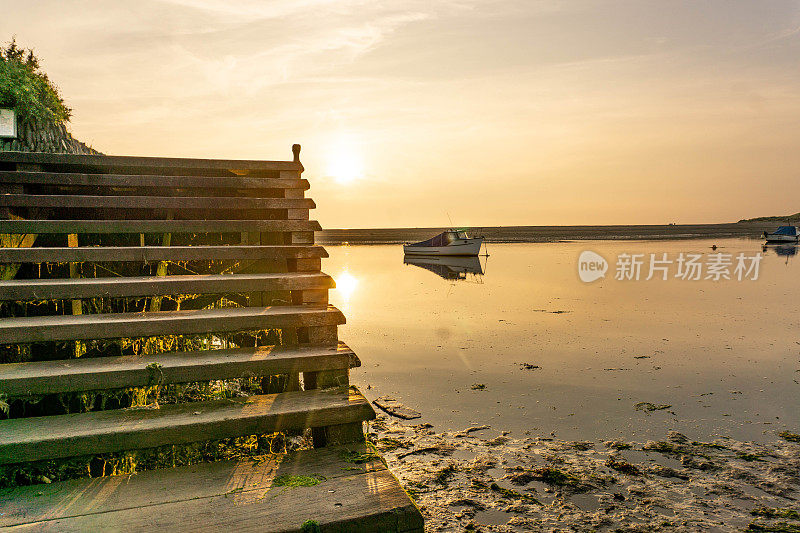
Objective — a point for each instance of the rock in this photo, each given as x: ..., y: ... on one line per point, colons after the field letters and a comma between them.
x: 498, y: 440
x: 618, y: 445
x: 680, y: 438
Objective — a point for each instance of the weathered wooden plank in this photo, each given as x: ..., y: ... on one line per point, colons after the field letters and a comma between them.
x: 297, y: 214
x: 362, y: 503
x: 157, y: 253
x: 311, y: 296
x: 223, y: 496
x: 95, y: 373
x: 59, y: 289
x: 83, y: 496
x: 303, y: 237
x: 305, y: 265
x: 148, y: 180
x: 294, y: 193
x: 66, y: 201
x: 125, y: 325
x: 52, y: 437
x: 305, y: 227
x: 107, y: 161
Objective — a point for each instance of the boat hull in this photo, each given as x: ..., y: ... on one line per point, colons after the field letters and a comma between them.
x: 459, y: 247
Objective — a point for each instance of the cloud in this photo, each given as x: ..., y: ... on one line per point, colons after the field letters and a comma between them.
x: 441, y: 97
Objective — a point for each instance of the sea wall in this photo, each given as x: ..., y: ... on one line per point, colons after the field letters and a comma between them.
x: 38, y: 136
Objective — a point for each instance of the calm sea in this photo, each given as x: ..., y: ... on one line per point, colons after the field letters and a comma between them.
x: 518, y: 341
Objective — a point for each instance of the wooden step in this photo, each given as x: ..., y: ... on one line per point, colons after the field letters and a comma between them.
x: 146, y: 254
x: 71, y: 201
x: 128, y: 325
x: 155, y: 226
x: 223, y: 496
x: 123, y: 287
x: 149, y: 181
x: 53, y: 437
x: 96, y: 373
x: 105, y: 162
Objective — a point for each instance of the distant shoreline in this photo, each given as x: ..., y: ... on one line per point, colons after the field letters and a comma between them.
x: 542, y: 234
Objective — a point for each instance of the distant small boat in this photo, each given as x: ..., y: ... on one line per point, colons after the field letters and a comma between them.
x: 783, y: 234
x: 450, y: 242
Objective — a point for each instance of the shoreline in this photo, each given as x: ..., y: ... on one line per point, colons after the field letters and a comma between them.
x: 547, y: 234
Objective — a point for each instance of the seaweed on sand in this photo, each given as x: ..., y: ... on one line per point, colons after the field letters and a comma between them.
x: 650, y: 407
x: 791, y: 437
x: 545, y: 474
x: 771, y: 512
x: 623, y: 466
x: 503, y: 492
x: 778, y: 527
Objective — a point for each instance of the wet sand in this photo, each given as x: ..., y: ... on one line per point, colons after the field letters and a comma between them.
x: 479, y: 479
x: 552, y: 233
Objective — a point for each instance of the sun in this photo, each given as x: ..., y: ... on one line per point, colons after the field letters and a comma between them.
x: 345, y: 163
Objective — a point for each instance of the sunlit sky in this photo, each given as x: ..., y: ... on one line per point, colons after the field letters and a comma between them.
x: 494, y: 113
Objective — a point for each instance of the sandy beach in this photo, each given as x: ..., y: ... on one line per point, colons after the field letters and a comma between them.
x: 553, y: 233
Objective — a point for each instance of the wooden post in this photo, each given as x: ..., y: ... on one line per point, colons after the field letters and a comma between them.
x: 72, y: 242
x: 336, y: 434
x: 155, y: 301
x: 74, y: 272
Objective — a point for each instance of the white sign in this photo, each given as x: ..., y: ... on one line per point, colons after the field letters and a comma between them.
x: 8, y: 123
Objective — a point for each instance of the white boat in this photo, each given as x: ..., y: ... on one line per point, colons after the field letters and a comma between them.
x: 783, y: 234
x: 450, y: 242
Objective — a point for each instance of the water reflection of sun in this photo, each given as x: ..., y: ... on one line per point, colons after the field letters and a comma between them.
x: 346, y: 285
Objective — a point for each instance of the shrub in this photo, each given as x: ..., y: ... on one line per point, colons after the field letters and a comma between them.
x: 24, y: 87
